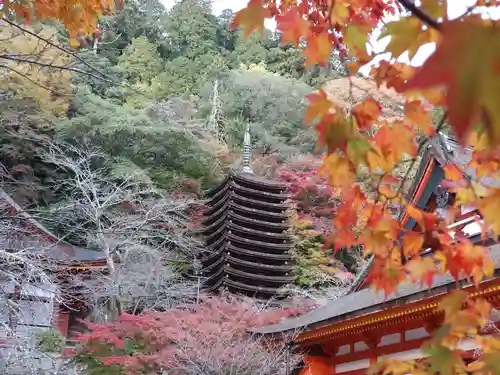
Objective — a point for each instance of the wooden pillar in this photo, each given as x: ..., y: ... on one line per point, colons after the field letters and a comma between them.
x: 61, y: 321
x: 372, y: 341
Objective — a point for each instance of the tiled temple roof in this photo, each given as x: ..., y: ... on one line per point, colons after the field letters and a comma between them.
x: 368, y: 301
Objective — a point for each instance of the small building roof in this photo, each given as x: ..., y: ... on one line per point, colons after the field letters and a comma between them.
x: 54, y: 248
x: 368, y: 301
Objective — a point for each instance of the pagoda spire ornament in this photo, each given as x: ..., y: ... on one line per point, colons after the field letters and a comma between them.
x: 246, y: 152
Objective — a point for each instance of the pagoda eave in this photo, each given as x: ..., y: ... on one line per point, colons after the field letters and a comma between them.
x: 258, y: 254
x: 259, y: 266
x: 252, y: 288
x: 254, y: 277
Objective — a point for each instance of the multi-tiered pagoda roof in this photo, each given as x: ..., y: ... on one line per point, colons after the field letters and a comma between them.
x: 248, y: 246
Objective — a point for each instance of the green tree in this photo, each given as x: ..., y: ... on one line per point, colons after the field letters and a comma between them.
x: 135, y: 19
x: 273, y: 105
x: 191, y: 29
x: 141, y: 61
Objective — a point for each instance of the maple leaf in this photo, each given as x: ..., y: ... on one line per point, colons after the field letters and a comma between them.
x: 489, y: 207
x: 338, y: 170
x: 393, y: 75
x: 412, y: 243
x: 426, y: 220
x: 333, y: 132
x: 487, y: 364
x: 292, y: 25
x: 452, y: 303
x: 318, y: 49
x: 423, y: 270
x: 367, y: 112
x: 406, y: 35
x: 319, y: 106
x: 391, y: 142
x: 344, y: 238
x: 452, y: 173
x: 471, y: 83
x: 443, y: 360
x: 357, y: 150
x: 435, y: 8
x: 356, y: 39
x: 251, y: 18
x: 386, y: 275
x: 340, y: 13
x: 418, y: 116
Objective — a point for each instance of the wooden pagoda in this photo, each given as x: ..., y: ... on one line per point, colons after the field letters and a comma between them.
x: 349, y: 334
x: 248, y: 246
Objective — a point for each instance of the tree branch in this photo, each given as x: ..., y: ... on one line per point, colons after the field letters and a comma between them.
x: 420, y: 14
x: 45, y: 65
x: 72, y: 54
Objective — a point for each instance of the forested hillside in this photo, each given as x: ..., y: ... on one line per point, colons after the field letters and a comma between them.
x: 157, y: 101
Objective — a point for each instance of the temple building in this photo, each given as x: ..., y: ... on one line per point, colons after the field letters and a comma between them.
x: 248, y: 246
x: 43, y: 302
x: 349, y: 334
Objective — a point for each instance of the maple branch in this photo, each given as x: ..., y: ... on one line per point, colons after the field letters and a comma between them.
x: 420, y: 14
x: 31, y: 80
x: 50, y: 43
x: 45, y: 65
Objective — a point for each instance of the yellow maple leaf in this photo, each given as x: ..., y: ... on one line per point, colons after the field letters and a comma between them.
x: 407, y: 35
x: 251, y: 18
x: 338, y: 170
x: 452, y: 303
x: 489, y: 207
x: 340, y: 12
x: 435, y: 8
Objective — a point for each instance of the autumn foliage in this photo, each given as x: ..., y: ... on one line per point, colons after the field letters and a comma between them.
x: 463, y: 77
x: 79, y: 16
x: 210, y: 337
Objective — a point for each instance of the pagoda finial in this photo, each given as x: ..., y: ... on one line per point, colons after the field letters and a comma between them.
x: 246, y: 152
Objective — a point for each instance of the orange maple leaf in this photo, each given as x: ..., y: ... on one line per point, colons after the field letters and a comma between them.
x: 333, y: 132
x: 367, y: 112
x: 386, y: 275
x: 412, y: 243
x: 423, y: 270
x: 319, y: 106
x: 452, y: 173
x: 393, y: 75
x: 338, y: 170
x: 426, y: 220
x: 318, y: 49
x: 392, y: 141
x: 292, y: 25
x: 471, y: 83
x: 344, y: 238
x: 346, y: 216
x: 418, y: 116
x: 251, y: 18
